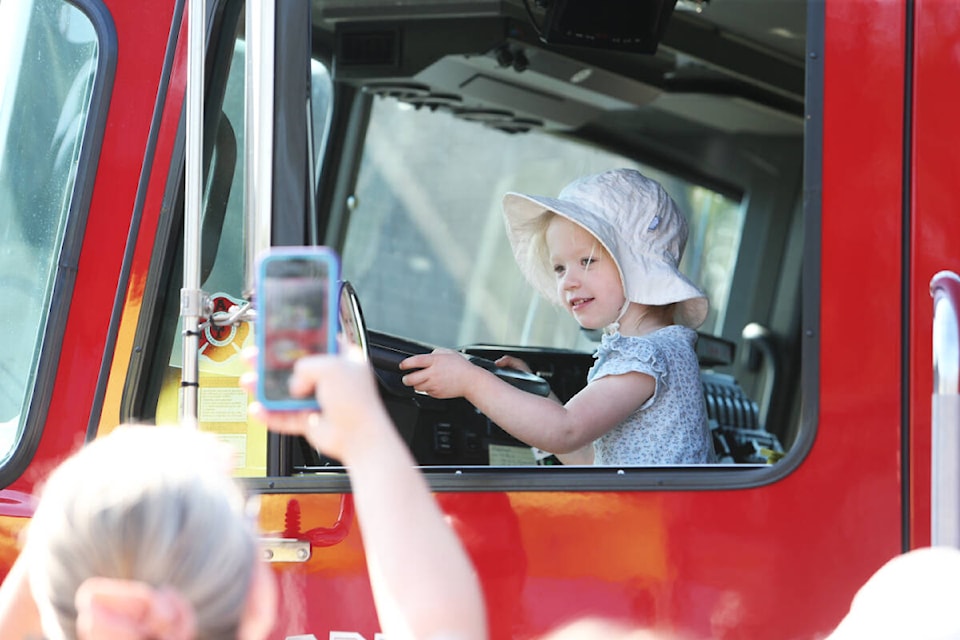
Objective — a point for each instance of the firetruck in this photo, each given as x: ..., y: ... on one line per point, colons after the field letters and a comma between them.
x: 150, y: 150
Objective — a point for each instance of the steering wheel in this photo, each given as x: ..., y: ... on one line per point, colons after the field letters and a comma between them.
x: 387, y: 351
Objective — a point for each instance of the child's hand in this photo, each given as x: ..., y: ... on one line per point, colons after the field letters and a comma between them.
x: 442, y: 374
x: 346, y: 391
x: 510, y: 362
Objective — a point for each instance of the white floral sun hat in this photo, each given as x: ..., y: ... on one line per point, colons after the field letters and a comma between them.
x: 634, y: 219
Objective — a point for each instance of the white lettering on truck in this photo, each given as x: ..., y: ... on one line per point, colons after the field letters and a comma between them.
x: 338, y: 635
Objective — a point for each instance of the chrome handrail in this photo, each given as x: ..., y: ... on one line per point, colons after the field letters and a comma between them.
x: 945, y: 411
x: 191, y: 297
x: 258, y: 131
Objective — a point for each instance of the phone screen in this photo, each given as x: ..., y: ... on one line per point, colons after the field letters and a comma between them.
x: 294, y: 315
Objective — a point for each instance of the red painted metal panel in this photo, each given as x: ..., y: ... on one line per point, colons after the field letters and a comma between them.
x: 146, y: 236
x: 935, y: 225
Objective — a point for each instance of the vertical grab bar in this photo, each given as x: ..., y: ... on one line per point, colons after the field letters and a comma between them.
x: 192, y: 304
x: 258, y: 117
x: 945, y: 414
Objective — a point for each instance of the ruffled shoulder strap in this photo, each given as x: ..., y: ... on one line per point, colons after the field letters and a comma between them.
x: 619, y: 354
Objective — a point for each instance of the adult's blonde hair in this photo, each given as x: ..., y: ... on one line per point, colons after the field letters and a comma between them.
x: 151, y: 504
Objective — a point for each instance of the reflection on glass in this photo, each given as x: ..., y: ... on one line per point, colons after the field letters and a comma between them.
x: 426, y: 243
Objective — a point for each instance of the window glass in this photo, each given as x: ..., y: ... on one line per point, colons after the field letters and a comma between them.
x: 426, y: 248
x: 48, y: 60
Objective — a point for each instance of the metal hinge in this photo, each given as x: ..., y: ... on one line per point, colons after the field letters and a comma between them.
x: 284, y: 550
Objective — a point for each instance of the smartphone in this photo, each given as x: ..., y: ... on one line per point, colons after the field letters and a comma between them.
x: 296, y: 302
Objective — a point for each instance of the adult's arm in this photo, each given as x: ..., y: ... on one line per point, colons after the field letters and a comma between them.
x: 424, y: 584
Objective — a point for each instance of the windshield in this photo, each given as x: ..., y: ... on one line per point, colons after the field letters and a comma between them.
x: 426, y: 247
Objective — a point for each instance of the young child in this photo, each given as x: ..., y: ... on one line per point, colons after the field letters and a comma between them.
x: 608, y: 250
x: 143, y: 534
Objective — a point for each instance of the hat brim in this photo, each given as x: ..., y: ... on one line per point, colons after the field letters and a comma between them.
x: 662, y: 283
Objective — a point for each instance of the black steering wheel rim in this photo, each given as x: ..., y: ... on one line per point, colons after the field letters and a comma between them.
x: 389, y: 350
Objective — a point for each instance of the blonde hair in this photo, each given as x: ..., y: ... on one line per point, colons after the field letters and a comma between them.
x: 538, y: 237
x: 151, y: 504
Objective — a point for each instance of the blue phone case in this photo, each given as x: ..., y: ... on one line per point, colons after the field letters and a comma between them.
x: 288, y: 311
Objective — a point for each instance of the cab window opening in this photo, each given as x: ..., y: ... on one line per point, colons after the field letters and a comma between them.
x: 414, y: 192
x: 440, y: 210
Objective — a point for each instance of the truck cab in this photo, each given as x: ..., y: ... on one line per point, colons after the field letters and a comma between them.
x: 806, y: 143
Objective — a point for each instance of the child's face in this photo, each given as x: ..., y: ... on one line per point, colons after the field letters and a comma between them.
x: 588, y: 281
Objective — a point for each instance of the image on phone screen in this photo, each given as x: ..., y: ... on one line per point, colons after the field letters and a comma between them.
x: 296, y: 320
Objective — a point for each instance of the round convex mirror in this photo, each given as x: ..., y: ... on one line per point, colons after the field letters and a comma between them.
x: 351, y: 318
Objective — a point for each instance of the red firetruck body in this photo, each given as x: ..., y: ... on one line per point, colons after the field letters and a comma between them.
x: 812, y: 146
